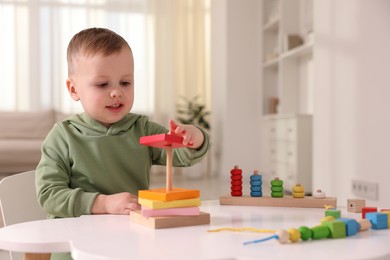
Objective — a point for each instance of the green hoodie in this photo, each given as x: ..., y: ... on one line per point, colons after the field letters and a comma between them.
x: 82, y: 158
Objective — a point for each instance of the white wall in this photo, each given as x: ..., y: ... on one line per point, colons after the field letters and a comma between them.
x: 352, y: 96
x: 236, y: 79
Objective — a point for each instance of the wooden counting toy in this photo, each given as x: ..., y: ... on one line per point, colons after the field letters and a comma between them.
x: 168, y: 207
x: 277, y: 198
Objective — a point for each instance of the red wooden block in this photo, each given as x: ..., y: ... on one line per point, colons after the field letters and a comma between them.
x: 235, y: 183
x: 236, y: 193
x: 236, y: 188
x: 163, y: 141
x: 236, y: 177
x: 236, y: 172
x: 368, y: 209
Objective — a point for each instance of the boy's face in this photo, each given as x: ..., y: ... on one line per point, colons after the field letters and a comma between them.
x: 104, y: 85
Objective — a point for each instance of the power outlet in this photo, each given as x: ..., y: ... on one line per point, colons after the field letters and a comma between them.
x: 365, y: 189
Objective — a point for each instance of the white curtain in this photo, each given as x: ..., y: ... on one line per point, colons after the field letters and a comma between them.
x: 182, y: 58
x: 169, y: 38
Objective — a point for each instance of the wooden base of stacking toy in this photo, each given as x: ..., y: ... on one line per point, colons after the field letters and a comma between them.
x: 286, y: 201
x: 170, y: 221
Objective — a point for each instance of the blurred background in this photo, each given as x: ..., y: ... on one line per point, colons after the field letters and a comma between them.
x: 297, y: 89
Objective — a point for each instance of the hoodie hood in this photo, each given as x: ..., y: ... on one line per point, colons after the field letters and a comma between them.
x: 89, y: 126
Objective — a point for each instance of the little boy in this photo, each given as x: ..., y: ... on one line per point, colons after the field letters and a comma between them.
x: 93, y: 163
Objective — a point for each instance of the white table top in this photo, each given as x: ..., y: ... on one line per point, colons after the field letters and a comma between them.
x: 115, y: 237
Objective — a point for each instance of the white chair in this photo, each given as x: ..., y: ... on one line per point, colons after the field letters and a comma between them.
x: 19, y: 203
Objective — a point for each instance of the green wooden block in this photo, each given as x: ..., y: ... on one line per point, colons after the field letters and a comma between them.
x: 277, y: 188
x: 276, y: 183
x: 305, y: 233
x: 337, y: 228
x: 277, y: 194
x: 319, y: 232
x: 333, y: 212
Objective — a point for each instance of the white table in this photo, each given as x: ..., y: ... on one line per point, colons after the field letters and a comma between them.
x: 115, y: 237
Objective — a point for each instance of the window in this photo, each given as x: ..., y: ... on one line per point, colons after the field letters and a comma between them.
x: 36, y: 33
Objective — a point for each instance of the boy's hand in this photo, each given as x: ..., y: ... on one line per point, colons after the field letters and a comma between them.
x: 120, y: 203
x: 192, y: 136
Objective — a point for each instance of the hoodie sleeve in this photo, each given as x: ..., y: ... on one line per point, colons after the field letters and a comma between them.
x: 53, y: 178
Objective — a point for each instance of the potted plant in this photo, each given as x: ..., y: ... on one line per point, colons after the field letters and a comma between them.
x: 191, y: 111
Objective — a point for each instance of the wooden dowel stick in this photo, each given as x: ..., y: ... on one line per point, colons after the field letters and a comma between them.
x: 169, y: 169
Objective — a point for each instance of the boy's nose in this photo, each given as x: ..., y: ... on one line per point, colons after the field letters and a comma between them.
x: 115, y: 93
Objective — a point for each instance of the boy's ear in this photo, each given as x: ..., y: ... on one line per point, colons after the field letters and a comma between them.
x: 72, y: 89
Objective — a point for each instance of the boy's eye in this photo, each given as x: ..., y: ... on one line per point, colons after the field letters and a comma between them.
x: 125, y: 83
x: 102, y: 85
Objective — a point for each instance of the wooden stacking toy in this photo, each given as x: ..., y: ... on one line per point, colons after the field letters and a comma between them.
x: 168, y: 207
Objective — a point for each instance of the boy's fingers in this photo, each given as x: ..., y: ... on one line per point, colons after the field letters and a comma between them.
x: 173, y: 125
x: 134, y: 200
x: 134, y: 206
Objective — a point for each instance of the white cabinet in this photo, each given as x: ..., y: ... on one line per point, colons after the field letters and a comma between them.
x: 290, y: 149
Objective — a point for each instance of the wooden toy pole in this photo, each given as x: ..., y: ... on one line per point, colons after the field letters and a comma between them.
x: 169, y: 168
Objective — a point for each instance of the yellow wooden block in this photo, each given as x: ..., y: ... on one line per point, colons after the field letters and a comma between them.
x: 161, y: 194
x: 298, y: 194
x: 298, y: 188
x: 170, y: 221
x: 156, y: 204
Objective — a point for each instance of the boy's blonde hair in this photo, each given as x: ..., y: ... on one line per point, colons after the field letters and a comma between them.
x: 94, y: 41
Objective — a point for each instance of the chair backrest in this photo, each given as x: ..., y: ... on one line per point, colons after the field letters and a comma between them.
x: 18, y: 201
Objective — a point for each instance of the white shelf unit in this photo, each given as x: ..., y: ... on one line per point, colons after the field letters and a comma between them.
x: 287, y: 90
x: 287, y: 70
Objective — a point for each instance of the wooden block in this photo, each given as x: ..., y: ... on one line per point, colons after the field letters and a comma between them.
x: 337, y: 228
x: 156, y: 204
x: 355, y: 205
x: 351, y: 226
x: 387, y: 211
x: 333, y: 212
x: 379, y: 220
x: 161, y: 194
x: 364, y: 224
x: 191, y: 211
x: 368, y: 209
x: 170, y: 222
x: 162, y: 141
x: 286, y: 201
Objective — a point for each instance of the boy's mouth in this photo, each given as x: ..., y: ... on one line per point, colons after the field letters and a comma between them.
x: 115, y: 106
